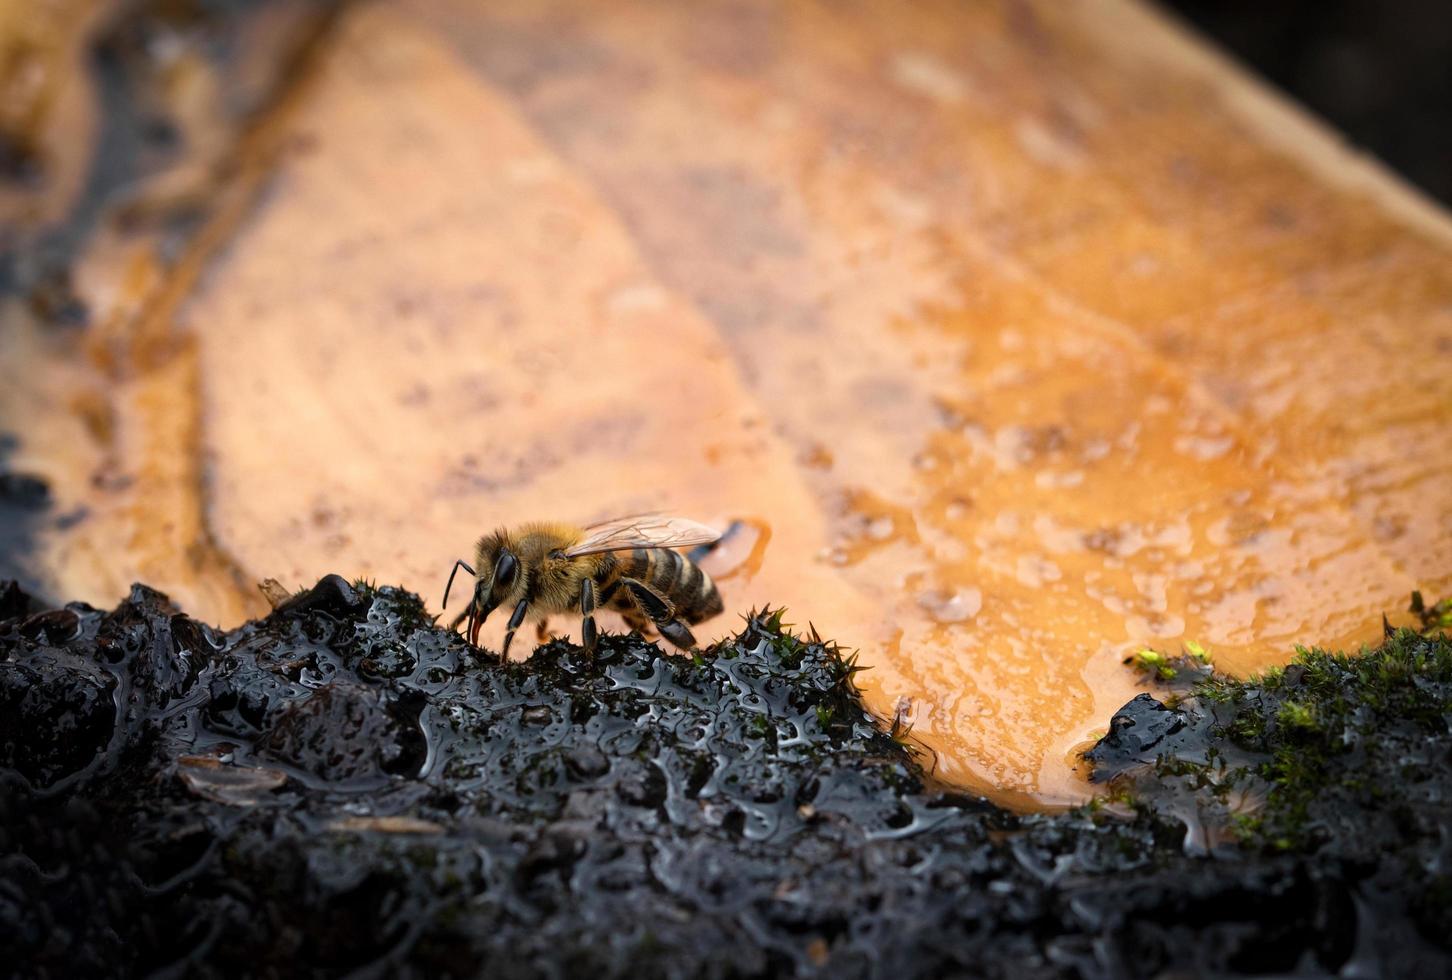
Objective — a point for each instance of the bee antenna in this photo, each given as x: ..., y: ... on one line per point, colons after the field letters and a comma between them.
x: 457, y: 565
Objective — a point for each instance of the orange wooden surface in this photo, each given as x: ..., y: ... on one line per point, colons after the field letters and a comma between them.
x: 1033, y: 332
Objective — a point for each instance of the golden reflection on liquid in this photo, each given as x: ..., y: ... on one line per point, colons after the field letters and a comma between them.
x: 996, y: 351
x: 739, y: 554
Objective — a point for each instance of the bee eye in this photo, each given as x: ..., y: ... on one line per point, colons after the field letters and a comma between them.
x: 505, y: 570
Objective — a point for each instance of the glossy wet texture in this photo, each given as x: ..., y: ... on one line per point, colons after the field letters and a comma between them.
x: 1028, y: 334
x: 344, y: 786
x: 1344, y: 757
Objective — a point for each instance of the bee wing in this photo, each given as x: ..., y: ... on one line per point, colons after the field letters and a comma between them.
x: 643, y: 531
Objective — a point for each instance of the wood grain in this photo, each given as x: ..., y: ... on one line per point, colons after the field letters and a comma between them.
x: 1034, y: 333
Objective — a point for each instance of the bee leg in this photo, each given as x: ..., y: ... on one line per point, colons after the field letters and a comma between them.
x: 661, y: 612
x: 678, y: 633
x: 514, y: 622
x: 450, y: 583
x: 587, y: 615
x: 542, y: 632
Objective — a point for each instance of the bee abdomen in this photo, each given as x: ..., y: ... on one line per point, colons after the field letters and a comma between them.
x: 685, y: 584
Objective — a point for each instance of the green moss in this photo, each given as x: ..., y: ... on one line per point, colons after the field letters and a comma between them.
x: 1294, y: 714
x: 1334, y: 724
x: 1340, y: 759
x: 1181, y: 670
x: 1153, y: 662
x: 1436, y: 617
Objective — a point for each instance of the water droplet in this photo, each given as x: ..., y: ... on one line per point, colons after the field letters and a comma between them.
x: 1033, y: 571
x: 881, y: 528
x: 952, y: 607
x: 1050, y: 480
x: 1203, y: 447
x: 957, y: 509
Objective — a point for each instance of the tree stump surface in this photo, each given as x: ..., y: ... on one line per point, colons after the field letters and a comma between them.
x: 1029, y: 333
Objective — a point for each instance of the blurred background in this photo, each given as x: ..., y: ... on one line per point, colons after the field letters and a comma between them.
x: 1380, y: 71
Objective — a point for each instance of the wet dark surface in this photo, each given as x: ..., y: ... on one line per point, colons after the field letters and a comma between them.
x: 25, y: 503
x: 342, y: 786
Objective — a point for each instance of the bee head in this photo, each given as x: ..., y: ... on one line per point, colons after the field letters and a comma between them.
x: 500, y: 580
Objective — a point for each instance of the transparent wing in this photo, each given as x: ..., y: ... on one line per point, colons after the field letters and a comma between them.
x: 643, y: 531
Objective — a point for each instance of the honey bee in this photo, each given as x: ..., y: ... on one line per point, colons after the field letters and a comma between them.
x: 626, y: 565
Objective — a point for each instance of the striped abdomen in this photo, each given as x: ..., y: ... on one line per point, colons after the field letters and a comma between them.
x: 673, y: 575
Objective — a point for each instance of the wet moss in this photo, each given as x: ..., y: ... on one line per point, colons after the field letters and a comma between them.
x: 345, y: 786
x: 1436, y: 617
x: 1342, y: 760
x: 1191, y: 664
x: 1348, y: 739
